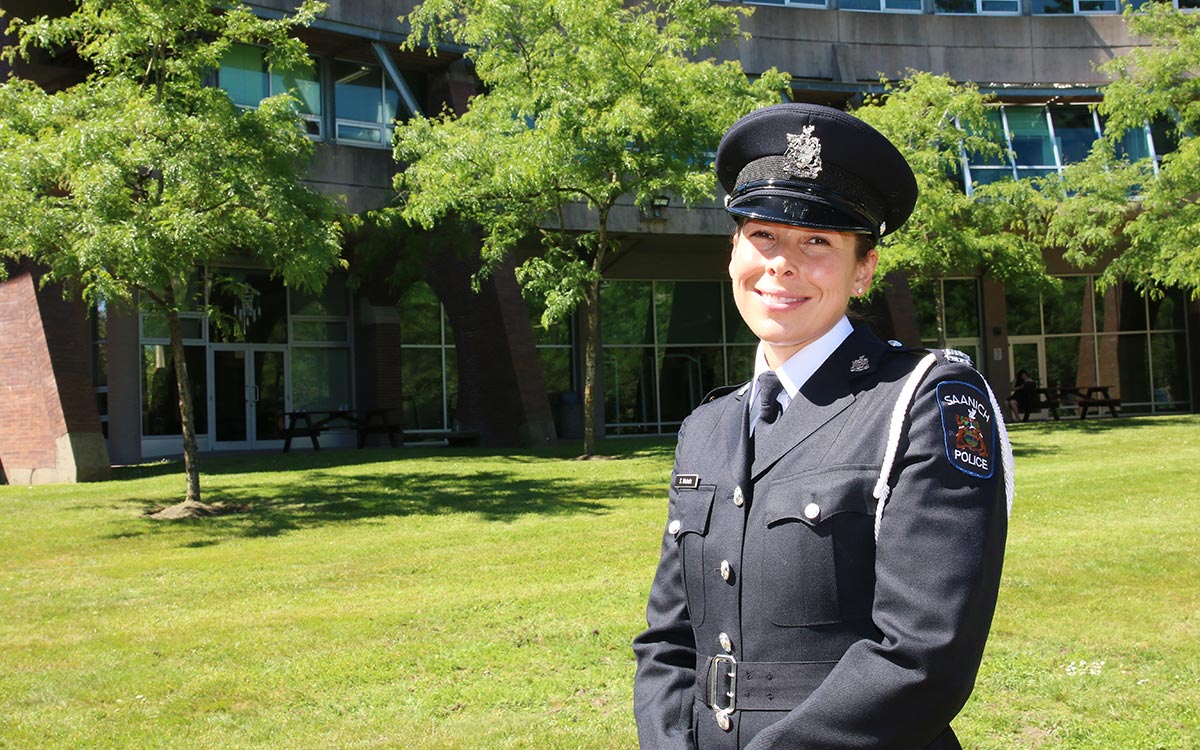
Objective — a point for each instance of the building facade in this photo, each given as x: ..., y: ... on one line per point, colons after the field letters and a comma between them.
x: 442, y: 358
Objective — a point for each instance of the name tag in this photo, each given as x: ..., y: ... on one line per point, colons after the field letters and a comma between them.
x: 686, y: 481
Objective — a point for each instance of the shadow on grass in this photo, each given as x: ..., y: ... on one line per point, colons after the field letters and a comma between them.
x: 292, y: 492
x: 304, y: 459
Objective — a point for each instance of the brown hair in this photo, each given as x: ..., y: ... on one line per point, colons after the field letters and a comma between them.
x: 864, y: 244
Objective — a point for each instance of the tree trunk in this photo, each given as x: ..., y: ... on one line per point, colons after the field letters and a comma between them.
x: 591, y: 348
x: 939, y: 303
x: 191, y: 466
x: 591, y: 354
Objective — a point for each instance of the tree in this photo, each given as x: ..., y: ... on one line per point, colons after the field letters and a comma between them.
x: 122, y: 186
x: 584, y: 102
x: 933, y: 121
x: 1119, y: 206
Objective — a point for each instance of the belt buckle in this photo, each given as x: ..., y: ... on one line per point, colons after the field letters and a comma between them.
x: 713, y: 680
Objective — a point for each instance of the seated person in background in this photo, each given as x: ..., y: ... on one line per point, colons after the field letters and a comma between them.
x: 1023, y: 397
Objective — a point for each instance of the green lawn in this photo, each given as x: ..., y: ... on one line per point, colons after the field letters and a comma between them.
x: 437, y: 598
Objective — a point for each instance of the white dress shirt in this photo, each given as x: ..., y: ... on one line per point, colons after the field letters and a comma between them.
x: 795, y: 372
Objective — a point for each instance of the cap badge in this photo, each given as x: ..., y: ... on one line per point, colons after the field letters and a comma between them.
x: 859, y: 364
x: 803, y: 155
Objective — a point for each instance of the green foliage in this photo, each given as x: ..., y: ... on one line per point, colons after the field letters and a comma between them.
x: 130, y: 180
x: 1152, y: 240
x: 932, y: 120
x: 461, y: 599
x: 583, y: 102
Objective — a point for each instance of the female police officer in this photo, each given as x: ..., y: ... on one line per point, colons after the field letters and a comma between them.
x: 836, y: 526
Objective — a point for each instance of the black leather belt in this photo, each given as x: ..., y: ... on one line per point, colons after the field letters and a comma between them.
x: 726, y: 684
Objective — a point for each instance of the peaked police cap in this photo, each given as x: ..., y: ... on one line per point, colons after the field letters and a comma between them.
x: 814, y: 166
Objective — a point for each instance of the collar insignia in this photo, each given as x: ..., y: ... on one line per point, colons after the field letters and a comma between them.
x: 803, y: 156
x: 859, y: 364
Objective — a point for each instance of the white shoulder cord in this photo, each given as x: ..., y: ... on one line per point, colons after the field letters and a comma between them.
x: 900, y: 411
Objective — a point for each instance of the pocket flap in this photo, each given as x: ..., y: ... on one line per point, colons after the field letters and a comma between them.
x: 690, y: 509
x: 813, y: 497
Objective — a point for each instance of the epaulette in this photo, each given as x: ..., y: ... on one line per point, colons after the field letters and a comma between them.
x: 723, y: 390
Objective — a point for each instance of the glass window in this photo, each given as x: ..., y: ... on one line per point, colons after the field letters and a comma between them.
x: 686, y: 374
x: 316, y: 330
x: 332, y: 300
x: 253, y: 308
x: 1098, y: 6
x: 626, y: 312
x: 688, y: 312
x: 1165, y: 136
x: 913, y: 6
x: 977, y: 6
x: 736, y: 330
x: 160, y: 390
x: 1168, y: 353
x: 1065, y: 311
x: 1023, y: 312
x: 1169, y: 311
x: 243, y: 74
x: 321, y: 378
x: 366, y: 103
x: 1068, y: 363
x: 1074, y: 131
x: 807, y: 3
x: 424, y: 396
x: 1030, y: 136
x: 629, y: 389
x: 1131, y: 308
x: 1135, y: 144
x: 420, y: 315
x: 154, y: 326
x: 1053, y: 6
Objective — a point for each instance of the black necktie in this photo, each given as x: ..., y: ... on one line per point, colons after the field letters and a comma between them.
x: 769, y: 407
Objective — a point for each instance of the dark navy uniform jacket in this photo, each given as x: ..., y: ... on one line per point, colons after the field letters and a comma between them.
x: 840, y: 640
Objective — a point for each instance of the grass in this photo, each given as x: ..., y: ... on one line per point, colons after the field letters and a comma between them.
x: 437, y: 598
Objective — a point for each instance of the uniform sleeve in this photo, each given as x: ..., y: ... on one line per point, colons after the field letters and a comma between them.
x: 666, y: 658
x: 937, y: 567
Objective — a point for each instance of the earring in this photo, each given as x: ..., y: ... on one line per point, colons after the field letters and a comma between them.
x: 859, y: 290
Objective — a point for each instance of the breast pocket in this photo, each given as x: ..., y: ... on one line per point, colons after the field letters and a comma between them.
x: 690, y: 509
x: 818, y: 549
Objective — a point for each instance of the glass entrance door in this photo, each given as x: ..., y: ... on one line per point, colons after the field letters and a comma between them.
x: 249, y: 396
x: 1028, y: 354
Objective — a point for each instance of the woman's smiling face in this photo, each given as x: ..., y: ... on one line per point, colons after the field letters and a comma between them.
x: 792, y: 284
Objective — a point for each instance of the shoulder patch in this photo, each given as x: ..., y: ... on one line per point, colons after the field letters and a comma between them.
x: 954, y: 355
x: 969, y: 426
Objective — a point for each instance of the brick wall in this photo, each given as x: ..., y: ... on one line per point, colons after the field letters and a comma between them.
x: 49, y: 425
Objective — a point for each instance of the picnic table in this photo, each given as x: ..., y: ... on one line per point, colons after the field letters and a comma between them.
x: 311, y: 424
x: 1044, y: 398
x: 1086, y: 397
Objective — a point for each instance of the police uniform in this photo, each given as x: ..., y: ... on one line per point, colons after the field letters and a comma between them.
x: 832, y: 585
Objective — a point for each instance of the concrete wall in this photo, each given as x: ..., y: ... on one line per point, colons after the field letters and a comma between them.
x: 853, y: 46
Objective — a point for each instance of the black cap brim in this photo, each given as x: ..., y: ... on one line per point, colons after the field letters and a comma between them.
x: 799, y: 211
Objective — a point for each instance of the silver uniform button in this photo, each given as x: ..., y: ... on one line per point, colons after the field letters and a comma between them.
x: 723, y: 720
x: 726, y: 570
x: 673, y: 527
x: 726, y: 642
x: 738, y: 498
x: 811, y: 511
